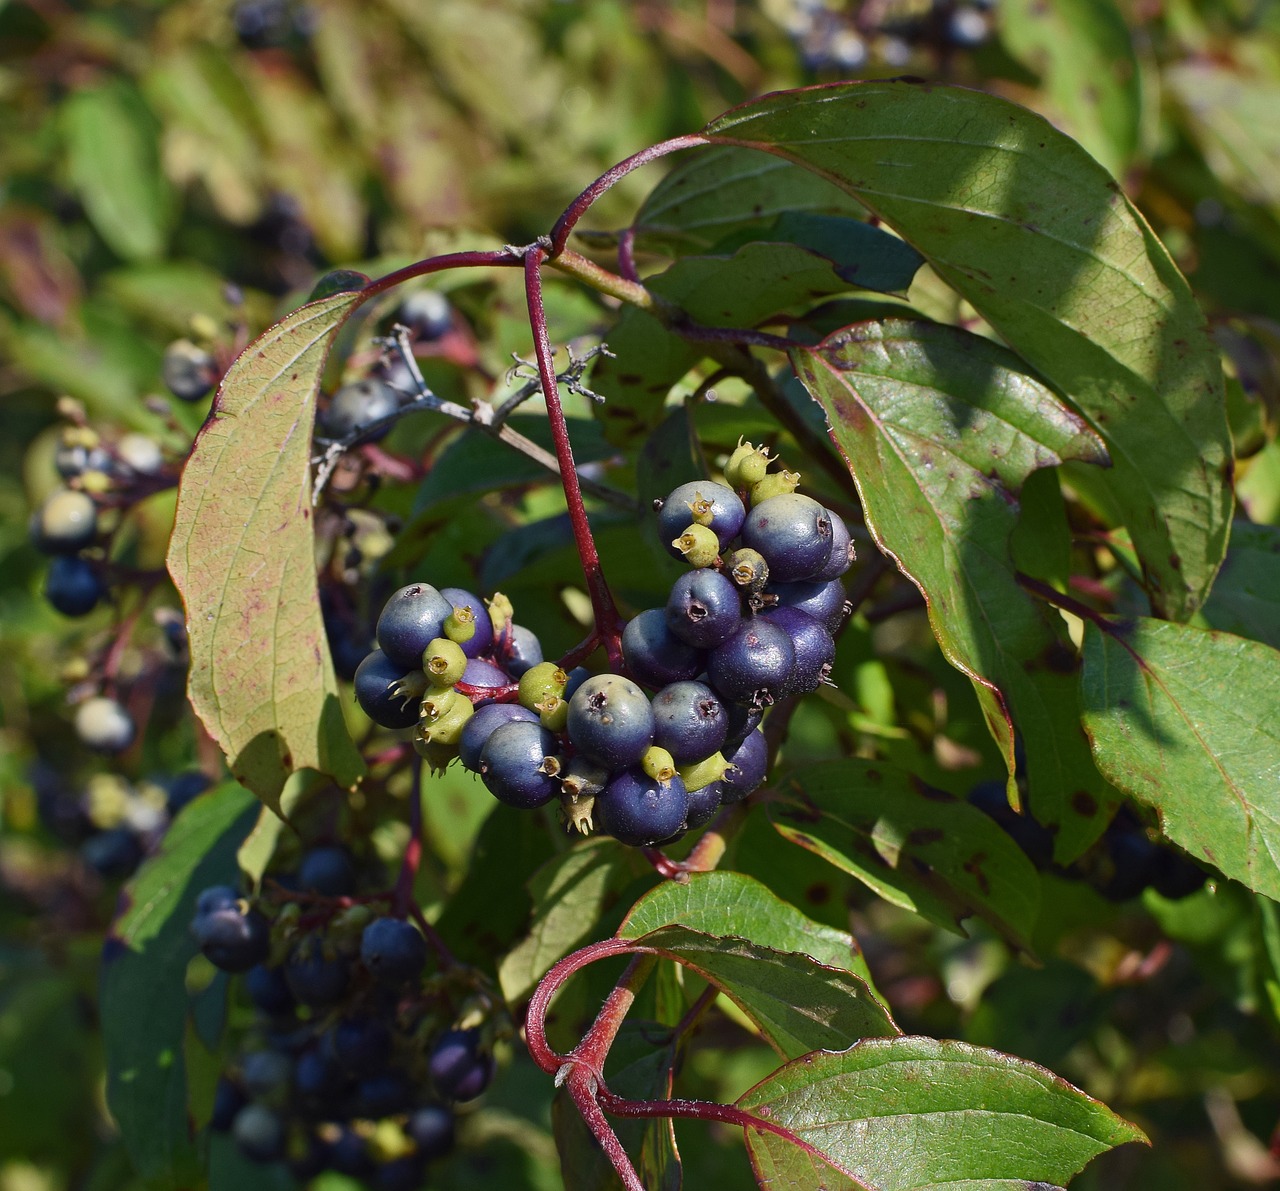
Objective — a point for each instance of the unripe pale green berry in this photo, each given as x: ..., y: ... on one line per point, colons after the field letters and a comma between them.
x: 699, y: 545
x: 500, y: 611
x: 746, y: 466
x: 460, y: 625
x: 536, y: 683
x: 447, y: 727
x: 553, y: 712
x: 704, y: 772
x: 438, y: 702
x: 748, y: 569
x: 444, y: 661
x: 658, y: 763
x: 778, y: 483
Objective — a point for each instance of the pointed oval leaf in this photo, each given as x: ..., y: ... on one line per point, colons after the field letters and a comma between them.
x: 242, y: 556
x: 716, y: 192
x: 798, y: 1005
x: 1246, y: 598
x: 725, y: 903
x: 1186, y: 721
x: 143, y: 992
x: 918, y: 1114
x: 920, y: 848
x: 1026, y: 226
x: 940, y: 429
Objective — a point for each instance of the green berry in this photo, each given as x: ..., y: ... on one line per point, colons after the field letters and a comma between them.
x: 553, y: 712
x: 778, y: 483
x: 658, y: 764
x: 747, y: 465
x: 748, y: 569
x: 699, y: 545
x: 460, y: 625
x: 444, y: 661
x: 536, y: 683
x: 446, y: 728
x: 438, y: 702
x: 703, y: 773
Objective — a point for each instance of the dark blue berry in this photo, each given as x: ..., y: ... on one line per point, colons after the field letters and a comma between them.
x: 228, y: 1100
x: 113, y: 854
x: 362, y: 1045
x: 431, y: 1129
x: 459, y: 1067
x: 842, y: 551
x: 1176, y: 876
x: 318, y: 1078
x: 743, y: 720
x: 690, y: 722
x: 484, y: 676
x: 327, y: 870
x: 383, y: 1095
x: 264, y: 1073
x: 610, y: 720
x: 185, y: 787
x: 703, y: 804
x: 349, y: 1154
x: 376, y: 683
x: 794, y: 534
x: 748, y: 764
x: 268, y: 990
x: 654, y: 655
x: 724, y: 517
x: 703, y: 608
x: 314, y: 978
x: 232, y: 938
x: 518, y: 765
x: 482, y: 638
x: 755, y: 665
x: 259, y: 1133
x: 393, y: 950
x: 427, y: 314
x: 639, y: 810
x: 216, y: 897
x: 524, y: 651
x: 815, y: 648
x: 1036, y: 840
x: 189, y: 371
x: 825, y: 601
x: 72, y: 586
x: 359, y: 405
x: 411, y: 619
x: 483, y: 724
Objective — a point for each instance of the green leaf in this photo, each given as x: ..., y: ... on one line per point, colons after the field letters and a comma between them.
x: 113, y: 155
x: 143, y: 993
x: 570, y: 893
x: 724, y: 903
x: 798, y: 1005
x: 243, y: 557
x: 1021, y: 222
x: 915, y: 1114
x: 715, y: 192
x: 1186, y: 722
x: 917, y: 847
x: 940, y: 429
x: 1246, y: 598
x: 1088, y: 70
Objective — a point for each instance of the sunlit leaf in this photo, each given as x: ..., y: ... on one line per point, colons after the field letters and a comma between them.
x: 1030, y: 230
x: 1186, y: 721
x: 243, y: 558
x: 940, y: 429
x: 915, y: 1114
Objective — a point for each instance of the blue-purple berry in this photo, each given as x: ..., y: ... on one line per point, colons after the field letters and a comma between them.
x: 393, y: 950
x: 639, y: 810
x: 748, y: 764
x: 724, y: 517
x: 610, y: 720
x: 704, y: 608
x: 754, y: 665
x: 654, y: 655
x: 690, y: 721
x: 483, y: 724
x: 815, y: 648
x: 377, y: 684
x: 519, y: 765
x: 793, y: 533
x: 411, y: 619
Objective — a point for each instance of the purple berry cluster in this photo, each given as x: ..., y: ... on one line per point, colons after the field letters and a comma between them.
x: 355, y: 1059
x: 646, y: 755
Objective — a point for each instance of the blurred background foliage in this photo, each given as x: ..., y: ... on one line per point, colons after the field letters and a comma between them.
x: 188, y: 168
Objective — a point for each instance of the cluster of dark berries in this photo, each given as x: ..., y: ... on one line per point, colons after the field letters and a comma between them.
x: 848, y: 39
x: 1124, y: 862
x: 753, y: 622
x: 355, y: 1060
x: 359, y: 405
x: 114, y: 822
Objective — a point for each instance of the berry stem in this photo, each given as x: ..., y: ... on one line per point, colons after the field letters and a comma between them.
x: 608, y: 622
x: 579, y: 207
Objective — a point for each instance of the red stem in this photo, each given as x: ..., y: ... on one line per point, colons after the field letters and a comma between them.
x: 608, y: 623
x: 584, y: 1093
x: 627, y: 255
x: 502, y: 258
x: 576, y: 209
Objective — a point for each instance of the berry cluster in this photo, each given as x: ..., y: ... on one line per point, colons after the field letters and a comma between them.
x: 851, y: 38
x: 751, y: 623
x: 355, y: 1060
x: 115, y: 822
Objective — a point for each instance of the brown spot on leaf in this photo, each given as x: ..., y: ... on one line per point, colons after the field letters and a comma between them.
x: 818, y: 894
x: 925, y: 835
x: 973, y: 866
x: 1084, y: 803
